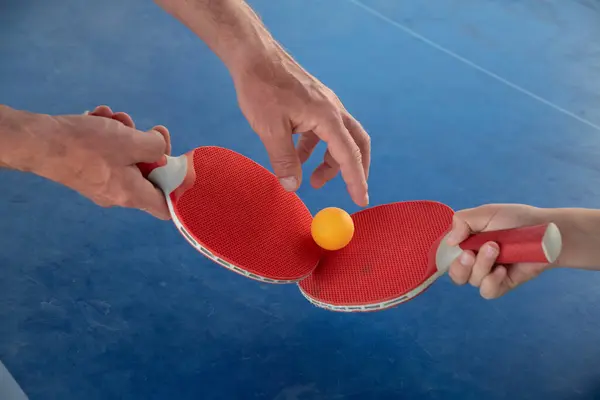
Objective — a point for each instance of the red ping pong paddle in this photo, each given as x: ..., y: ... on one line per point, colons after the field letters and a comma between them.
x: 398, y: 251
x: 236, y: 213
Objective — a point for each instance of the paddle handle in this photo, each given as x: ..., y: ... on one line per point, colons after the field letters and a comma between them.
x: 533, y: 244
x: 170, y: 174
x: 147, y: 168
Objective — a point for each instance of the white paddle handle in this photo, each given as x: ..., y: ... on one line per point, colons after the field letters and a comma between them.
x: 167, y: 174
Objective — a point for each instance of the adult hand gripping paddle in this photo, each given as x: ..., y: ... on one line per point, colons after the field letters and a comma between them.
x: 236, y: 213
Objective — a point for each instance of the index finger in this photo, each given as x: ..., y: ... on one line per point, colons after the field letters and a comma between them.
x: 142, y: 146
x: 348, y: 155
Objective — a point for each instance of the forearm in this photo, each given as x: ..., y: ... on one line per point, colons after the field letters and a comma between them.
x: 580, y: 230
x: 230, y: 28
x: 20, y: 144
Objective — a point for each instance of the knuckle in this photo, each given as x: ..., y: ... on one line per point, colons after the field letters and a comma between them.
x: 102, y: 202
x: 328, y: 106
x: 283, y: 163
x: 332, y: 98
x: 350, y: 154
x: 354, y: 153
x: 325, y: 109
x: 98, y: 184
x: 121, y: 195
x: 364, y: 143
x: 490, y: 290
x: 362, y: 138
x: 126, y: 199
x: 457, y: 276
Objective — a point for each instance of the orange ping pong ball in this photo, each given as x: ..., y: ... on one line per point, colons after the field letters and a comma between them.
x: 332, y: 228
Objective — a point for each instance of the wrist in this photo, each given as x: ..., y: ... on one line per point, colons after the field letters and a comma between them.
x: 246, y: 42
x: 248, y: 57
x: 580, y: 230
x: 230, y: 28
x: 263, y: 65
x: 21, y: 144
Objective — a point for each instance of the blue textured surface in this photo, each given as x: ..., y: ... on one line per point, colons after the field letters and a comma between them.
x: 111, y: 304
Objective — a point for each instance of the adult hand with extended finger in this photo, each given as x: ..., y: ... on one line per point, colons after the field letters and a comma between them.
x: 279, y: 99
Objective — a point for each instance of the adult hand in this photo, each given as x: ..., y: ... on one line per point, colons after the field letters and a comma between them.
x: 481, y: 270
x: 279, y: 99
x: 97, y: 157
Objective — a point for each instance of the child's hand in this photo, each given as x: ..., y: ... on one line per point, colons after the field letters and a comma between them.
x: 481, y: 271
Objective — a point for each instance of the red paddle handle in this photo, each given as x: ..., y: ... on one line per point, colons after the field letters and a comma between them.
x: 539, y: 243
x: 147, y: 168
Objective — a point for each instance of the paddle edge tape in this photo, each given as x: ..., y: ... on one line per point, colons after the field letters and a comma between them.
x: 389, y: 303
x: 202, y: 248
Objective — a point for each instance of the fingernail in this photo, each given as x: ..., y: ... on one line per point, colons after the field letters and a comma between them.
x: 289, y: 183
x: 491, y: 251
x: 466, y: 259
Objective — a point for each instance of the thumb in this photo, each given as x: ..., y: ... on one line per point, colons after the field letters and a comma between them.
x: 468, y: 221
x: 284, y: 160
x: 459, y: 232
x: 145, y: 196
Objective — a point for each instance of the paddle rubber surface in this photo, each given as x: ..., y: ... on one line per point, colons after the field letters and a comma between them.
x: 387, y: 258
x: 237, y: 210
